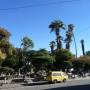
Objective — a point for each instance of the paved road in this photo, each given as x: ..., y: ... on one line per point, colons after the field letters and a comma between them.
x: 83, y: 84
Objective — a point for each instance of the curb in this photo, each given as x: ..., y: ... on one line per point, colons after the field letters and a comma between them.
x: 79, y: 79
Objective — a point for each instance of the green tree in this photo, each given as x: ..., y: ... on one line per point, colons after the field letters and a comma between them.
x: 27, y: 43
x: 9, y: 62
x: 81, y: 64
x: 41, y: 59
x: 61, y: 57
x: 4, y: 34
x: 5, y: 46
x: 56, y: 26
x: 78, y: 65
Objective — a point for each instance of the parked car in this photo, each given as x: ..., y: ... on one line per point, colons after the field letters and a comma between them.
x: 57, y: 76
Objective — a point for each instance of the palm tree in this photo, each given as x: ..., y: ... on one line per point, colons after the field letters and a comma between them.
x: 52, y: 45
x: 83, y: 49
x: 55, y: 27
x: 70, y: 34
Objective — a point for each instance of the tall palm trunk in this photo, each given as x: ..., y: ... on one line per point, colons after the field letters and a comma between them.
x: 83, y: 49
x: 52, y: 45
x: 58, y: 40
x: 75, y: 45
x: 69, y: 36
x: 68, y: 45
x: 57, y: 35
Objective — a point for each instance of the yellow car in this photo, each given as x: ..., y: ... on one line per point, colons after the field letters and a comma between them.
x: 56, y: 76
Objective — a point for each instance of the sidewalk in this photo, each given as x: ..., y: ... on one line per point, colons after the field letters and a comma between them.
x: 79, y: 78
x: 6, y: 86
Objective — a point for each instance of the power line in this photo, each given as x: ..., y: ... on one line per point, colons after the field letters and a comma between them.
x: 38, y: 5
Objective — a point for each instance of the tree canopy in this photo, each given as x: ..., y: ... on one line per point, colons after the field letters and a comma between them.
x: 27, y: 43
x: 4, y: 34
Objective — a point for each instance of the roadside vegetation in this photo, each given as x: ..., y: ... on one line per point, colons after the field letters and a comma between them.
x: 26, y: 61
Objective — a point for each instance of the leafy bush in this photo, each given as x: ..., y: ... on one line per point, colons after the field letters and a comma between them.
x: 62, y: 59
x: 81, y: 64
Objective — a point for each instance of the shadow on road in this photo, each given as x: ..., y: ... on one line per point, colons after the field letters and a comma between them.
x: 79, y: 87
x: 34, y: 84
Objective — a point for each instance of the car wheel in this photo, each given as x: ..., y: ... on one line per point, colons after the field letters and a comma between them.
x: 64, y: 80
x: 55, y: 81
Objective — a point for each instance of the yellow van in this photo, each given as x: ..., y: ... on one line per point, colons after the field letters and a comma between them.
x: 56, y: 76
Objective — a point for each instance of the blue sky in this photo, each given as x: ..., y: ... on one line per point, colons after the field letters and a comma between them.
x: 34, y: 20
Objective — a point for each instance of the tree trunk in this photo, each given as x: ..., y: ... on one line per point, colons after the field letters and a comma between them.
x: 68, y: 45
x: 52, y: 48
x: 75, y: 45
x: 83, y: 49
x: 59, y: 44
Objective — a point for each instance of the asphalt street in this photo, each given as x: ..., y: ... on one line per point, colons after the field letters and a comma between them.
x: 83, y: 84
